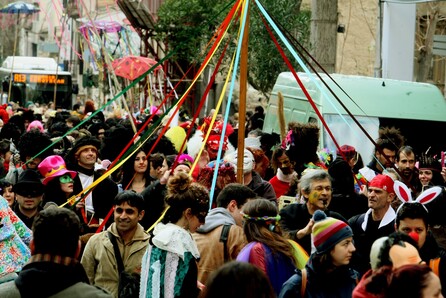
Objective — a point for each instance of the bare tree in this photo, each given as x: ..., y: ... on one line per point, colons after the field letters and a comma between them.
x: 324, y: 20
x: 426, y: 46
x: 7, y: 30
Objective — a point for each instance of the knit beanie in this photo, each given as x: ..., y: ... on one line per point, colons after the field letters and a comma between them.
x: 328, y: 231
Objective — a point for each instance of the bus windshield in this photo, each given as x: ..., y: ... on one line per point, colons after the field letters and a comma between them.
x: 39, y: 88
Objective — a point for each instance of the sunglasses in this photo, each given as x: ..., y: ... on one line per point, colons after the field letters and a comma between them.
x: 65, y: 179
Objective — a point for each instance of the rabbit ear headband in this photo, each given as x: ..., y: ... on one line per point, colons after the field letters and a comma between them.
x: 404, y: 194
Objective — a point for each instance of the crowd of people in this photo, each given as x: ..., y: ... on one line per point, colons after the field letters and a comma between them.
x: 90, y: 208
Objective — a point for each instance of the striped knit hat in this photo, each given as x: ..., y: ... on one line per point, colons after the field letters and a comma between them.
x: 328, y: 231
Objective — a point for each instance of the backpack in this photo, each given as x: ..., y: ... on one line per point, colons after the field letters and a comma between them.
x: 224, y: 238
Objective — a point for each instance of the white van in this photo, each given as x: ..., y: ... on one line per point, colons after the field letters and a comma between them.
x: 417, y: 109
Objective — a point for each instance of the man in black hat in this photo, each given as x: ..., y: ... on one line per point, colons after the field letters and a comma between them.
x: 28, y: 193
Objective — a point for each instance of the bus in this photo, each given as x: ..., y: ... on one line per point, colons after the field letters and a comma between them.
x: 34, y: 79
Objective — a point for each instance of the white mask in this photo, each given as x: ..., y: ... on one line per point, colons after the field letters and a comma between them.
x: 248, y: 161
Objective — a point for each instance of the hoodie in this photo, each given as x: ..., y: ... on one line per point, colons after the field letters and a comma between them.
x: 212, y: 249
x: 216, y: 217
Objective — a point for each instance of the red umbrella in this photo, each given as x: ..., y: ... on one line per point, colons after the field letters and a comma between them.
x: 132, y: 67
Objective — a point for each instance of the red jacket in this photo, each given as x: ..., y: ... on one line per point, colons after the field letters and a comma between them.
x: 280, y: 187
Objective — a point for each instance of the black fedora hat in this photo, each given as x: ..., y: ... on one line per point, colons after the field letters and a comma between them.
x: 28, y: 184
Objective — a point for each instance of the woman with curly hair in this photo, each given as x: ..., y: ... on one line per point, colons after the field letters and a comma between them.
x: 169, y: 266
x: 267, y: 248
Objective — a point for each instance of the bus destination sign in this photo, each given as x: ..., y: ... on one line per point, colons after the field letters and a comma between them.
x: 39, y: 79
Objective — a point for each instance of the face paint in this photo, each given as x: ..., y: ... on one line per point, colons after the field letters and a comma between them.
x: 314, y: 196
x: 285, y: 165
x: 284, y: 162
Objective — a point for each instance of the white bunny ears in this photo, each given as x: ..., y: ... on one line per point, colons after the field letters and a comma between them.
x: 404, y: 194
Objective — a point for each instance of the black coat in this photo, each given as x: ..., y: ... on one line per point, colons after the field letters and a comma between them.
x: 430, y: 249
x: 364, y: 240
x: 336, y: 284
x: 44, y: 279
x: 295, y: 217
x: 344, y: 198
x: 154, y: 203
x: 103, y: 195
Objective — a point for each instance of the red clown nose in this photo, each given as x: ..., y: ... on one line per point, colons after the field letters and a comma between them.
x: 414, y: 236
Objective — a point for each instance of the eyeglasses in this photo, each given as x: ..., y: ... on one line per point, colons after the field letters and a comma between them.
x: 65, y: 179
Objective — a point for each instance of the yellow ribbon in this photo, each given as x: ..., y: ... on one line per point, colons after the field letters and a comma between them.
x: 213, y: 117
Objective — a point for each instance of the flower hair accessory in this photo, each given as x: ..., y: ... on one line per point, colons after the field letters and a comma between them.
x: 325, y: 156
x: 260, y: 218
x: 404, y: 194
x: 288, y: 141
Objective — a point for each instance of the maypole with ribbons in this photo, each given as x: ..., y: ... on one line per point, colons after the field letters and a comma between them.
x: 239, y: 12
x: 243, y: 93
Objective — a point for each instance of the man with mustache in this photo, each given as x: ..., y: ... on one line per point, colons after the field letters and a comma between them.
x: 296, y: 219
x: 405, y: 160
x: 377, y: 222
